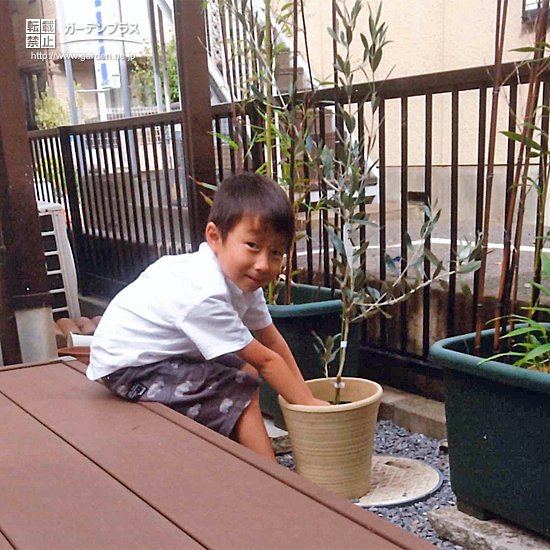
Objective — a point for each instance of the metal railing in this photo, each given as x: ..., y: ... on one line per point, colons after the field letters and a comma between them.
x: 124, y: 188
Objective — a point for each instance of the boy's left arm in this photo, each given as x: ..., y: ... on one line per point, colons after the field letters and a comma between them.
x: 271, y: 338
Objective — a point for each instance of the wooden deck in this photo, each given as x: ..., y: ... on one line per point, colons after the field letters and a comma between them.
x: 80, y: 468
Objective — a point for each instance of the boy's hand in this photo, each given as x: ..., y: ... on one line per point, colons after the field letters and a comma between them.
x: 285, y: 379
x: 319, y: 403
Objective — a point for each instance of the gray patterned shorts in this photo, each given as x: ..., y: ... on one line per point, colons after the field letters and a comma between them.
x: 214, y: 393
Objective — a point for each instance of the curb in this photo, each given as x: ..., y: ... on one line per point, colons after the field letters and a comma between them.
x: 414, y: 413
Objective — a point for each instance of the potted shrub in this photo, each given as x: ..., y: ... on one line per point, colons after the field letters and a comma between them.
x: 497, y: 411
x: 497, y: 421
x: 282, y: 143
x: 343, y: 433
x: 332, y: 445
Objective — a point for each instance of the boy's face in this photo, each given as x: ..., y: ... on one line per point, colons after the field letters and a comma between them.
x: 251, y: 254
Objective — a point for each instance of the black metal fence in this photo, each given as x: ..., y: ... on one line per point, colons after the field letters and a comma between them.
x: 125, y: 192
x: 123, y: 186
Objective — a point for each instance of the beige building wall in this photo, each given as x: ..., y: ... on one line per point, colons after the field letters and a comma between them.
x: 433, y: 36
x: 427, y: 36
x: 20, y: 11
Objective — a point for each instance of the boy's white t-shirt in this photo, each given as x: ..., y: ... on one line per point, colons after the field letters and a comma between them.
x: 180, y: 305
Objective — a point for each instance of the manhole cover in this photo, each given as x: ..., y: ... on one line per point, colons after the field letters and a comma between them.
x: 397, y: 481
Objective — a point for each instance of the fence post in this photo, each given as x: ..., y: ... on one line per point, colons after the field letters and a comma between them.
x: 74, y: 220
x: 196, y: 111
x: 23, y: 274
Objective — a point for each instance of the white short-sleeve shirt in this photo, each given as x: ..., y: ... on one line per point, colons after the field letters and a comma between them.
x: 180, y: 305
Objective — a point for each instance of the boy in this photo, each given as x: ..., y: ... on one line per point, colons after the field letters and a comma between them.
x: 181, y: 333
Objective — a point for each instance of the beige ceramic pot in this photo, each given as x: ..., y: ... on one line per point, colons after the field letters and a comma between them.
x: 332, y: 446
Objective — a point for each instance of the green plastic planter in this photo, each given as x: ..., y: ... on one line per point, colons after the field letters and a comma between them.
x: 312, y: 308
x: 498, y: 426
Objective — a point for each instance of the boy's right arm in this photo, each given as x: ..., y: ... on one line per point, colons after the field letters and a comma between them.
x: 278, y: 374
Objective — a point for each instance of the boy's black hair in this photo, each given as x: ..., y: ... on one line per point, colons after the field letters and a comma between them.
x: 254, y: 195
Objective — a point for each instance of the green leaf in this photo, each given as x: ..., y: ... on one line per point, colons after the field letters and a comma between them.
x: 431, y: 257
x: 525, y: 49
x: 541, y: 287
x: 350, y: 122
x: 207, y: 185
x: 336, y: 241
x: 499, y: 355
x: 517, y: 332
x: 532, y: 323
x: 438, y: 270
x: 363, y: 221
x: 527, y: 141
x: 208, y: 200
x: 226, y: 139
x: 376, y: 60
x: 356, y: 10
x: 363, y: 247
x: 390, y: 263
x: 464, y: 253
x: 332, y: 34
x: 444, y: 285
x: 537, y: 352
x: 374, y: 293
x: 539, y: 308
x: 470, y: 267
x: 466, y: 290
x: 545, y: 263
x: 349, y: 35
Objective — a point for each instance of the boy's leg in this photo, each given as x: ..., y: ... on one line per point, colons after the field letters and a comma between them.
x: 179, y: 387
x: 250, y: 428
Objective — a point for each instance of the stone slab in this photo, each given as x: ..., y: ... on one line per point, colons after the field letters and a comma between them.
x: 475, y: 534
x: 390, y: 399
x: 421, y: 415
x: 413, y: 412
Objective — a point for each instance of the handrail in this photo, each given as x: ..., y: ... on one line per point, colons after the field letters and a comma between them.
x: 410, y: 86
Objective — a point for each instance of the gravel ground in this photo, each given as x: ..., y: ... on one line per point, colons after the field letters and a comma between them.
x: 394, y: 440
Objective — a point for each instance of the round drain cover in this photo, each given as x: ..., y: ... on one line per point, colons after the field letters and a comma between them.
x: 397, y: 481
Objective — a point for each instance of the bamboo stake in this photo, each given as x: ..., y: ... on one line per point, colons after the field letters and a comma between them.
x: 541, y: 202
x: 269, y: 90
x: 539, y: 67
x: 232, y: 84
x: 292, y: 132
x: 502, y: 6
x: 510, y: 261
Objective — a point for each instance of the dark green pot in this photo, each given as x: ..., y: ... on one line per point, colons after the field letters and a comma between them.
x: 498, y: 425
x: 313, y: 308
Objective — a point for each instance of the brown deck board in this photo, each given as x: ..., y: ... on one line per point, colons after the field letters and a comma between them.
x: 52, y: 497
x: 223, y: 495
x: 5, y: 543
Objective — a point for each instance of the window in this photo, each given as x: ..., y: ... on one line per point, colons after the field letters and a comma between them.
x: 33, y: 84
x: 531, y: 9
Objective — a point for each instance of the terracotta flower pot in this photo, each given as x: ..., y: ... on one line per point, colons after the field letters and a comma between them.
x: 332, y: 446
